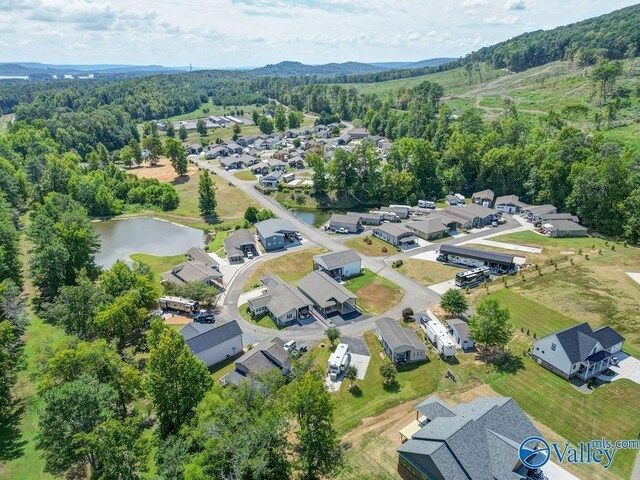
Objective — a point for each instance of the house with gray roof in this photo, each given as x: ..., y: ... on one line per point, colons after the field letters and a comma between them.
x: 370, y: 218
x: 563, y: 228
x: 400, y: 343
x: 479, y: 440
x: 473, y: 257
x: 509, y: 204
x: 198, y: 254
x: 459, y: 331
x: 484, y: 198
x: 534, y: 213
x: 398, y: 211
x: 261, y: 359
x: 558, y: 216
x: 277, y: 165
x: 358, y: 132
x: 327, y: 295
x: 352, y: 223
x: 430, y: 228
x: 276, y: 233
x: 342, y: 264
x: 213, y: 343
x: 283, y: 302
x: 395, y: 234
x: 578, y: 351
x: 271, y: 180
x: 238, y: 244
x: 193, y: 271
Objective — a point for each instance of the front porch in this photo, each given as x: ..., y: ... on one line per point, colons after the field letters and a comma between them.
x: 594, y: 365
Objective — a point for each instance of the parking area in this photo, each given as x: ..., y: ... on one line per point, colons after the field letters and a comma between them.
x: 628, y: 367
x: 360, y: 358
x: 338, y: 320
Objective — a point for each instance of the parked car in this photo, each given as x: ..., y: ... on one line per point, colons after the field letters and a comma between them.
x: 494, y: 223
x: 249, y: 255
x: 204, y: 316
x: 290, y: 345
x: 342, y: 230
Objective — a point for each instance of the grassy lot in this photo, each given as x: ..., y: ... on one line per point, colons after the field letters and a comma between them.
x: 375, y: 294
x: 209, y: 108
x: 374, y: 250
x: 262, y: 320
x: 290, y: 267
x: 158, y: 264
x: 427, y: 273
x: 219, y: 370
x: 601, y: 292
x: 245, y: 175
x: 217, y: 244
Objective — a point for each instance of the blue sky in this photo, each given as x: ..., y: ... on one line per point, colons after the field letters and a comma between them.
x: 236, y: 33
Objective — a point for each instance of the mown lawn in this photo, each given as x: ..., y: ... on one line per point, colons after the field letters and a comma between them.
x: 158, y: 264
x: 290, y: 267
x: 217, y: 244
x: 427, y: 273
x: 376, y: 249
x: 262, y: 320
x: 375, y: 294
x: 245, y: 175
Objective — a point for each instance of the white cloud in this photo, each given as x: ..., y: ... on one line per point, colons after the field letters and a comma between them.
x: 474, y: 3
x: 506, y: 20
x: 515, y: 5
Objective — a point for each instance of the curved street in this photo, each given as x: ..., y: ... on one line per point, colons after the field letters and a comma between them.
x: 416, y: 296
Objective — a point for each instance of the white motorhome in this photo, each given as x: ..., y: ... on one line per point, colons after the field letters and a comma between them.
x: 439, y: 336
x: 460, y: 197
x: 179, y: 304
x: 339, y: 361
x: 426, y: 204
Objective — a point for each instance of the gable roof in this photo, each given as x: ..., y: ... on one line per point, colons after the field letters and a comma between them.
x: 200, y: 255
x: 480, y: 441
x: 431, y: 224
x: 578, y: 341
x: 281, y: 297
x: 265, y: 356
x: 333, y: 260
x: 459, y: 326
x: 564, y: 226
x: 394, y: 229
x: 234, y: 242
x: 191, y: 271
x: 346, y: 219
x: 484, y: 194
x: 200, y: 337
x: 510, y: 199
x: 476, y: 253
x: 396, y: 336
x: 323, y: 290
x: 275, y: 226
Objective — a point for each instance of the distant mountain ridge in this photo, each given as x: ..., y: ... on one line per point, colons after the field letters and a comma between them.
x: 346, y: 68
x: 35, y: 68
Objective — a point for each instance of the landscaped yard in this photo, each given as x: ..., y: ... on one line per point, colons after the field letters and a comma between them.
x: 217, y: 244
x: 290, y: 267
x: 374, y: 250
x: 263, y: 320
x: 158, y: 264
x: 375, y: 294
x: 427, y: 273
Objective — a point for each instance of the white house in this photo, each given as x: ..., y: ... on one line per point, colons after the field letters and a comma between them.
x: 343, y: 264
x: 213, y: 344
x: 578, y: 351
x: 459, y: 331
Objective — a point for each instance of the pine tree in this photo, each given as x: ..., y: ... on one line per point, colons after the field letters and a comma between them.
x: 207, y: 195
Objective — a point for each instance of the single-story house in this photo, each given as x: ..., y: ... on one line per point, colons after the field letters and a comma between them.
x: 193, y: 271
x: 275, y: 232
x: 401, y: 344
x: 245, y: 141
x: 473, y: 257
x: 558, y: 216
x: 395, y: 234
x: 238, y: 244
x: 358, y: 132
x: 233, y: 147
x: 213, y: 343
x: 262, y: 358
x: 470, y: 216
x: 509, y: 204
x: 430, y: 228
x: 371, y: 218
x: 271, y: 180
x: 400, y: 212
x: 288, y: 177
x: 193, y: 149
x: 564, y: 228
x: 484, y: 198
x: 283, y: 302
x: 578, y: 351
x: 327, y: 295
x: 459, y: 331
x: 296, y: 162
x: 342, y: 264
x: 216, y: 152
x: 198, y: 254
x: 260, y: 169
x: 351, y: 222
x: 231, y: 163
x: 343, y: 139
x: 476, y: 440
x: 275, y: 164
x: 534, y: 213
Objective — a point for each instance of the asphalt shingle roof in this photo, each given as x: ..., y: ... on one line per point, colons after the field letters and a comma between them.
x: 200, y: 337
x: 578, y: 341
x: 275, y: 226
x: 322, y: 289
x: 333, y: 260
x: 396, y: 336
x: 475, y: 253
x: 234, y: 242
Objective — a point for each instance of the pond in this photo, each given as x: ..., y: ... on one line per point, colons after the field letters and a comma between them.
x: 120, y: 238
x: 317, y: 217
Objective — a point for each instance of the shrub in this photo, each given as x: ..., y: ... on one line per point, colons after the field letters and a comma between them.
x: 407, y: 313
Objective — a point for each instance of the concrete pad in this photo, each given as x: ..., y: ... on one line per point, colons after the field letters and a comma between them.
x: 634, y: 276
x: 333, y: 386
x: 553, y: 471
x: 308, y: 182
x: 361, y: 362
x: 245, y: 297
x: 442, y: 287
x: 429, y: 256
x: 423, y: 243
x: 294, y: 182
x: 628, y: 367
x: 507, y: 246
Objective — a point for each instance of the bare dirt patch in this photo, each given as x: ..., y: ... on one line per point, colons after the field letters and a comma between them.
x: 163, y: 171
x: 178, y: 320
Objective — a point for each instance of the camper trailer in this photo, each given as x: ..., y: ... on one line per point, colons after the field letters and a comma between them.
x: 426, y: 204
x: 179, y: 304
x: 438, y: 335
x: 339, y: 361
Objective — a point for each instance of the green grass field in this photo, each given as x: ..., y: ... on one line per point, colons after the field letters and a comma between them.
x: 209, y: 108
x: 217, y: 244
x: 158, y: 264
x: 374, y: 250
x: 263, y: 320
x: 427, y: 273
x: 375, y: 294
x: 245, y: 175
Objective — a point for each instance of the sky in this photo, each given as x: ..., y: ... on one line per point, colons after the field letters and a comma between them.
x: 241, y: 33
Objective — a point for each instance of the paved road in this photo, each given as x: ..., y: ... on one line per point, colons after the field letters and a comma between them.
x: 416, y: 296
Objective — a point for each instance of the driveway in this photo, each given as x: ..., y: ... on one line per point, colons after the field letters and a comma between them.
x: 553, y: 471
x: 628, y: 367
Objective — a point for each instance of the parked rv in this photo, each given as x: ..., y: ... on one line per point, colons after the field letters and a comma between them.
x: 179, y: 304
x: 339, y: 361
x: 439, y: 337
x: 426, y: 204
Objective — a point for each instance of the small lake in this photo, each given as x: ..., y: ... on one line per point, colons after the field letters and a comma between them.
x: 317, y: 217
x: 121, y: 238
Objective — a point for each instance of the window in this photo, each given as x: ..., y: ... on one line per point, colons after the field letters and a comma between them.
x: 553, y: 347
x: 290, y: 315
